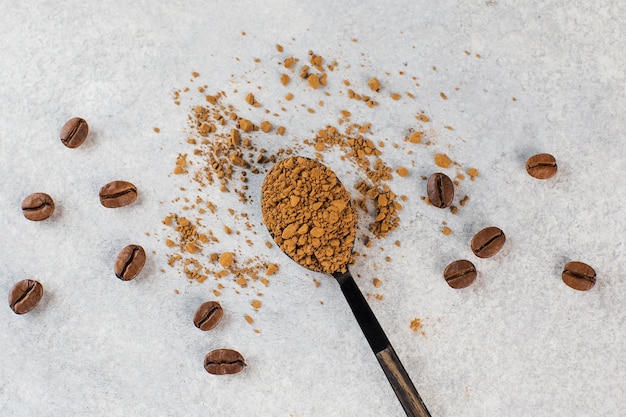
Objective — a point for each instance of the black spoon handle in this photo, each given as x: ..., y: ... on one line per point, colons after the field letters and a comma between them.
x: 387, y: 358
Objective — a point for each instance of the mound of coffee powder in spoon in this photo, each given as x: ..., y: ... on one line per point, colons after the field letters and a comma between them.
x: 308, y: 212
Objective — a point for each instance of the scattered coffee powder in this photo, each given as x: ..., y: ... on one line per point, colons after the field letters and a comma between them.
x: 226, y: 150
x: 74, y: 132
x: 374, y: 189
x: 226, y: 259
x: 197, y: 267
x: 473, y: 173
x: 308, y: 213
x: 374, y: 84
x: 416, y: 137
x: 417, y: 326
x: 224, y: 362
x: 442, y: 160
x: 38, y: 206
x: 402, y: 171
x: 25, y: 295
x: 579, y: 276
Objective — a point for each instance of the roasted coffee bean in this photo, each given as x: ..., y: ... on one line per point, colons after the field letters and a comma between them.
x: 488, y: 242
x: 460, y: 274
x: 208, y: 315
x: 541, y: 166
x: 37, y: 207
x: 74, y: 132
x: 440, y: 190
x: 224, y: 361
x: 118, y: 194
x: 579, y: 276
x: 129, y: 262
x: 25, y: 295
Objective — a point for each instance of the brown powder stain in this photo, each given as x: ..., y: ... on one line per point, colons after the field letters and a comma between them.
x: 288, y: 63
x: 374, y: 84
x: 266, y: 126
x: 416, y: 137
x: 473, y: 173
x: 250, y: 99
x: 314, y: 81
x: 442, y: 160
x: 226, y: 259
x: 417, y: 326
x: 402, y: 171
x: 271, y: 269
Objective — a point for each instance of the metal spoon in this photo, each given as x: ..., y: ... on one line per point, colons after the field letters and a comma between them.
x: 387, y: 358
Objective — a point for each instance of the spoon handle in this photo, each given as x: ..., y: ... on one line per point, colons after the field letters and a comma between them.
x: 387, y: 358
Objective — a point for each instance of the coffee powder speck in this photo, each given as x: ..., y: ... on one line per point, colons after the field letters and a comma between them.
x: 442, y: 160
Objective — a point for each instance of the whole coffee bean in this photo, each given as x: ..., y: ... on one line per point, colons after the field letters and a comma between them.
x: 541, y: 166
x: 118, y: 194
x: 208, y: 315
x: 38, y: 206
x: 224, y: 361
x: 460, y: 274
x: 129, y: 262
x: 74, y: 132
x: 488, y: 242
x: 25, y: 295
x: 440, y: 190
x: 579, y: 276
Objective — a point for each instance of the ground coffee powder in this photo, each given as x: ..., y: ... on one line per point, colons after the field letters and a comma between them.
x: 308, y: 212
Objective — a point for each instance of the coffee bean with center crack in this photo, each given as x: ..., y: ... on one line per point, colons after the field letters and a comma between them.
x: 440, y: 190
x: 460, y: 274
x: 25, y: 295
x: 129, y: 262
x: 579, y: 276
x: 38, y: 206
x: 208, y: 315
x: 118, y: 194
x: 224, y: 361
x: 74, y: 132
x: 488, y: 242
x: 541, y: 166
